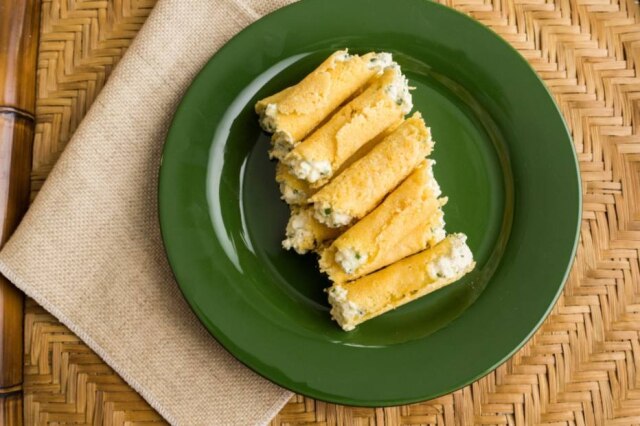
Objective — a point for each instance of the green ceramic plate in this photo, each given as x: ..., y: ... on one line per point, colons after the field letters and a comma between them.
x: 504, y: 158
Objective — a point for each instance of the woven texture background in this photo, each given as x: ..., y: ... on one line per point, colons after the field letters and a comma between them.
x: 581, y: 368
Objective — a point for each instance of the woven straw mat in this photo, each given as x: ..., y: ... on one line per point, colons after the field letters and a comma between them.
x: 583, y: 365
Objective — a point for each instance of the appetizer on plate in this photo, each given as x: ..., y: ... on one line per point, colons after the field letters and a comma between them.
x: 356, y: 175
x: 294, y: 112
x: 357, y: 190
x: 409, y: 220
x: 357, y: 301
x: 383, y: 103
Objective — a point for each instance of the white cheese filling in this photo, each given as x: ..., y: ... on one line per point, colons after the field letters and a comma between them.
x: 381, y: 62
x: 292, y: 195
x: 432, y: 184
x: 344, y: 311
x: 343, y: 56
x: 350, y: 260
x: 268, y: 118
x: 398, y: 90
x: 333, y: 219
x: 452, y: 263
x: 311, y: 171
x: 282, y: 144
x: 299, y: 237
x: 438, y: 232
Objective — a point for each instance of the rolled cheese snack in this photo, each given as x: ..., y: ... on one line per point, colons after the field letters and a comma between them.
x: 409, y: 220
x: 304, y: 233
x: 385, y: 101
x: 262, y: 104
x: 294, y: 191
x: 362, y: 186
x: 293, y: 113
x: 357, y: 301
x: 364, y: 150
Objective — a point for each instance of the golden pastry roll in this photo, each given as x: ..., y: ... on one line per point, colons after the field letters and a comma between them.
x: 293, y: 191
x: 364, y: 150
x: 262, y: 104
x: 385, y: 101
x: 296, y: 191
x: 409, y: 220
x: 301, y: 109
x: 357, y: 301
x: 304, y: 233
x: 367, y: 147
x: 362, y: 186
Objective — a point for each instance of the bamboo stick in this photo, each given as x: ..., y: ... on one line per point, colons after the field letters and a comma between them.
x: 19, y: 29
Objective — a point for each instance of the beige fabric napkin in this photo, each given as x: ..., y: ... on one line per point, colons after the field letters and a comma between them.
x: 89, y: 249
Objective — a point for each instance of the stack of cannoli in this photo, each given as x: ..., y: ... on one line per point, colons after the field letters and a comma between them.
x: 358, y: 179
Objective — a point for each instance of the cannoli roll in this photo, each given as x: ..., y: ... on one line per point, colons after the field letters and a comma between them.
x: 304, y: 233
x: 262, y: 104
x: 293, y: 115
x: 383, y: 103
x: 402, y: 282
x: 409, y: 220
x: 294, y: 191
x: 366, y: 148
x: 362, y: 186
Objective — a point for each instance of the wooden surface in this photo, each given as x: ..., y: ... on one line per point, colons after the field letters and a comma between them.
x: 16, y: 134
x: 18, y: 49
x: 11, y: 409
x: 19, y: 32
x: 581, y: 368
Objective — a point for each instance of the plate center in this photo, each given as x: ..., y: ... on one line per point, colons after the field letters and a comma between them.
x: 471, y: 167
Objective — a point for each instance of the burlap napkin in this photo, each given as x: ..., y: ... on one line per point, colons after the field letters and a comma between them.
x: 89, y: 249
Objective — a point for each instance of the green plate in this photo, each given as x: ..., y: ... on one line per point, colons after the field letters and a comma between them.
x: 504, y: 158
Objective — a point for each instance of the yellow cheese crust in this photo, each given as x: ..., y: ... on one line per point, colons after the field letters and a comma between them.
x: 409, y: 220
x: 396, y: 285
x: 296, y: 191
x: 261, y: 105
x: 310, y: 101
x: 358, y: 122
x: 363, y: 185
x: 364, y: 149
